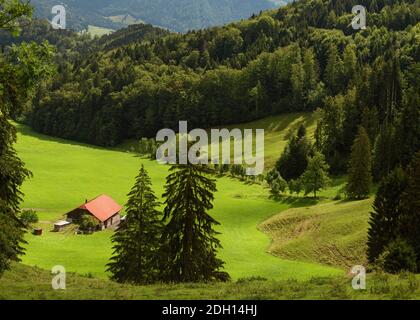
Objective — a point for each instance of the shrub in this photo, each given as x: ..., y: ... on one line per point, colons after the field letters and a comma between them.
x: 29, y: 217
x: 88, y: 223
x: 399, y: 256
x: 295, y: 186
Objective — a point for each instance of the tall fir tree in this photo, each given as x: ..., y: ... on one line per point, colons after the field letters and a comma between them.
x: 360, y: 167
x: 137, y: 239
x: 310, y: 70
x: 349, y: 65
x: 189, y: 239
x: 410, y: 218
x: 408, y: 128
x: 384, y: 220
x: 316, y: 176
x: 334, y: 71
x: 384, y: 155
x: 294, y: 159
x: 20, y: 69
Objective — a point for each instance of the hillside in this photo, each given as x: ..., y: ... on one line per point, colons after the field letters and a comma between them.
x: 37, y: 286
x: 277, y: 130
x: 332, y: 233
x: 66, y: 173
x: 293, y: 59
x: 176, y: 15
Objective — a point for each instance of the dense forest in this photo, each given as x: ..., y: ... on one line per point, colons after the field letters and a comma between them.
x: 177, y: 15
x: 298, y: 58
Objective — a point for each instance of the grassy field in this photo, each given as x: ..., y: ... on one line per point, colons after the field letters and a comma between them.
x: 67, y: 173
x: 98, y: 31
x: 292, y: 248
x: 332, y: 233
x: 33, y: 283
x: 277, y: 132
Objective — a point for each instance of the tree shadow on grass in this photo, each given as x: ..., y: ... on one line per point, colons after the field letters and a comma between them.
x: 297, y: 202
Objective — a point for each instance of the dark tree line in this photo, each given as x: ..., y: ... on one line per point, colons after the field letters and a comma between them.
x: 297, y: 58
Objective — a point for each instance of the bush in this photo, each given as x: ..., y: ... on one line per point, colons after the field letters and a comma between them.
x: 278, y: 186
x: 88, y: 223
x: 295, y: 186
x: 29, y: 217
x: 399, y: 256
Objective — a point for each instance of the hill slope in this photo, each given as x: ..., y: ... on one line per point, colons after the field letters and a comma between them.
x: 67, y: 173
x: 37, y: 285
x: 177, y: 15
x: 333, y: 233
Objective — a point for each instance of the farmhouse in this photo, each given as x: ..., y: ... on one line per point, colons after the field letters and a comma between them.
x: 104, y: 210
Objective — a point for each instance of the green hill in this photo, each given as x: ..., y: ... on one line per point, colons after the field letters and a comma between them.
x: 177, y: 15
x: 37, y: 285
x: 332, y: 233
x: 67, y: 173
x: 277, y: 130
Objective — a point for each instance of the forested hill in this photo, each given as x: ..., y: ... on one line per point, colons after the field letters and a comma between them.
x: 176, y: 15
x: 297, y: 58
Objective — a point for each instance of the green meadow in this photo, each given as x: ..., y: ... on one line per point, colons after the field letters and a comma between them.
x: 67, y: 173
x: 25, y: 282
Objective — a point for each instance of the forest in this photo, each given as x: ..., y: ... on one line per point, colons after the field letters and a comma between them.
x: 305, y: 57
x: 300, y: 57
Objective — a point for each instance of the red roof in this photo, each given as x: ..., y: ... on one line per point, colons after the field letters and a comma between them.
x: 102, y: 207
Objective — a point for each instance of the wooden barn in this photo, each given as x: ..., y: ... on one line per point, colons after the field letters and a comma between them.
x: 103, y: 208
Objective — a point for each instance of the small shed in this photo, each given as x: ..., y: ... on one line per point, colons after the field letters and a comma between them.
x: 60, y: 225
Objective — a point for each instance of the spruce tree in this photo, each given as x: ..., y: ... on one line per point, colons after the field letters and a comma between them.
x: 189, y: 239
x: 137, y: 239
x: 294, y: 159
x: 384, y: 220
x: 315, y: 177
x: 410, y: 218
x: 20, y: 69
x: 360, y: 167
x: 334, y: 71
x: 384, y: 157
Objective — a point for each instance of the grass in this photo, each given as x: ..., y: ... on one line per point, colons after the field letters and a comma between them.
x: 277, y: 132
x: 98, y: 31
x: 33, y: 283
x: 332, y: 233
x: 291, y: 248
x: 67, y: 173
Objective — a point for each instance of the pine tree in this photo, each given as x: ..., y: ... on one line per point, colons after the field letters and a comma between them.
x: 384, y: 157
x: 334, y: 71
x: 278, y: 186
x: 16, y: 83
x: 410, y: 218
x: 297, y: 80
x: 294, y: 159
x: 311, y: 70
x: 315, y: 177
x: 408, y: 128
x: 360, y: 167
x: 350, y: 65
x: 189, y: 238
x: 137, y: 239
x: 384, y: 220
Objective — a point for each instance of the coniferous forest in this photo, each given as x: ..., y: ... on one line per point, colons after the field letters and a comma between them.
x: 301, y: 58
